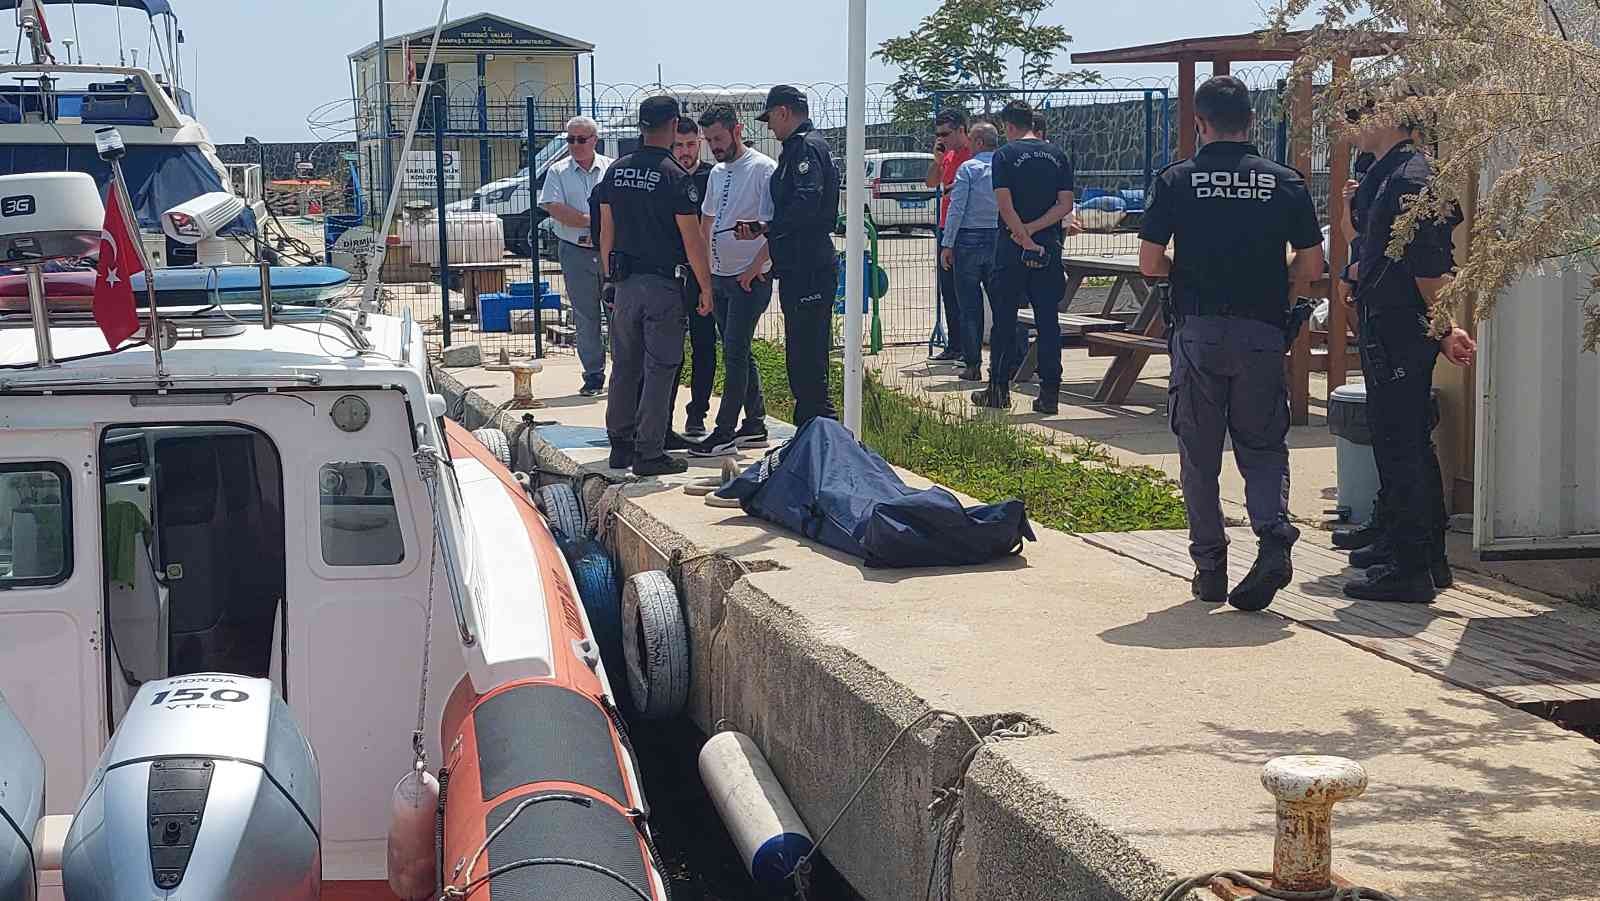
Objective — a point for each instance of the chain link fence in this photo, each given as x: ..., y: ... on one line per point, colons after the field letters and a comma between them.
x: 481, y: 151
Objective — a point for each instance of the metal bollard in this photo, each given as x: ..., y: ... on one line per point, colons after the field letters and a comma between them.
x: 522, y: 385
x: 1307, y: 787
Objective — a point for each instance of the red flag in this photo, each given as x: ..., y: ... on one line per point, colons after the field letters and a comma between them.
x: 114, y: 309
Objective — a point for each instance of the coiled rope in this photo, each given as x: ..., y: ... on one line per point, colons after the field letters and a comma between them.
x: 1259, y: 882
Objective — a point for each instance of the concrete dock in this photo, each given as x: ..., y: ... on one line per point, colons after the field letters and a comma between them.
x: 1151, y: 715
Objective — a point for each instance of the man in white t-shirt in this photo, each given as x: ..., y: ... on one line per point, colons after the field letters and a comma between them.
x: 740, y: 190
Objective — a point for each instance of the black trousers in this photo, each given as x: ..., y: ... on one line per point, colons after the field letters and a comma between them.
x: 950, y: 300
x: 702, y: 360
x: 806, y: 296
x: 1397, y: 359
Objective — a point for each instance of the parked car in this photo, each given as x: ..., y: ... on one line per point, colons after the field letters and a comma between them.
x: 897, y: 194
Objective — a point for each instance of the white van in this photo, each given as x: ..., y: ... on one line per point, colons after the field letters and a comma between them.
x: 898, y: 196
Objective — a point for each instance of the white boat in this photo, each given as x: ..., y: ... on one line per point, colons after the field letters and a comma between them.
x: 266, y: 546
x: 51, y: 107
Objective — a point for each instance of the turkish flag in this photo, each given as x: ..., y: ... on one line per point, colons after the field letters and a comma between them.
x: 114, y: 309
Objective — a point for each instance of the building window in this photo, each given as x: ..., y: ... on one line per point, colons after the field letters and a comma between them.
x: 360, y: 523
x: 35, y: 525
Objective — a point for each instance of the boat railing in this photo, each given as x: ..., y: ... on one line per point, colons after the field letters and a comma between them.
x: 126, y: 98
x: 204, y: 318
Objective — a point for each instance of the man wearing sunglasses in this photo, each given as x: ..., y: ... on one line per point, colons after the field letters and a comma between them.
x: 951, y: 148
x: 565, y: 196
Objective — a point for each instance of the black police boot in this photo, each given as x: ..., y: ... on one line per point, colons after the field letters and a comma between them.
x: 1379, y: 553
x: 994, y: 397
x: 660, y: 466
x: 1394, y: 585
x: 1439, y: 565
x: 1049, y: 402
x: 1355, y: 538
x: 1273, y: 570
x: 1210, y: 585
x: 621, y: 457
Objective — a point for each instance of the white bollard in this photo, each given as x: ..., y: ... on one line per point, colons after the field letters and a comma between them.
x: 1307, y: 787
x: 765, y: 827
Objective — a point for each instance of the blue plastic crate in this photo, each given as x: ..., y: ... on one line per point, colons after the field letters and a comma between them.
x: 494, y: 311
x: 525, y: 289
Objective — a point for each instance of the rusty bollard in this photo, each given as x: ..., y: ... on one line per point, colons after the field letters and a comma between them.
x: 1307, y: 787
x: 522, y: 384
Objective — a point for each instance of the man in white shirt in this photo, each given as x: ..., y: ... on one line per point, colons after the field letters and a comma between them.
x: 740, y: 190
x: 565, y: 196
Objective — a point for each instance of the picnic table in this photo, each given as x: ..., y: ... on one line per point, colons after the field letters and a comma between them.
x: 481, y: 278
x: 1144, y: 335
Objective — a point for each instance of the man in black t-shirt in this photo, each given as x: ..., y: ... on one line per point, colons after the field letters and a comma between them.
x: 1033, y: 188
x: 649, y: 235
x: 1231, y: 216
x: 702, y: 329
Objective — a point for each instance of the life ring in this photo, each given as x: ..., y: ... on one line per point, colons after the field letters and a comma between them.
x: 655, y: 642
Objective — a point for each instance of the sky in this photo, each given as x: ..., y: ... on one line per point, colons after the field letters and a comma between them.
x: 260, y: 67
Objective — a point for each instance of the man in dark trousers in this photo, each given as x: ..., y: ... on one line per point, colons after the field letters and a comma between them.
x: 1231, y: 216
x: 1033, y: 190
x: 1399, y: 344
x: 649, y: 237
x: 702, y: 329
x: 805, y: 201
x: 951, y: 148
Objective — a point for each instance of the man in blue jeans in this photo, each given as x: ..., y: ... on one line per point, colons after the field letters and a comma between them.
x: 740, y: 190
x: 968, y: 241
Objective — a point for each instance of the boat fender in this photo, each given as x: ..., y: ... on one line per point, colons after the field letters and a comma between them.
x: 595, y: 577
x: 495, y: 440
x: 769, y: 834
x: 655, y: 642
x: 561, y: 509
x: 412, y: 851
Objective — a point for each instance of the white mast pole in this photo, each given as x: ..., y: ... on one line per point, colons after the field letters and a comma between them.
x: 855, y: 204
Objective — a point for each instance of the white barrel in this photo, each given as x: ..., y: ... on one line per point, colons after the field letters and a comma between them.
x: 765, y: 827
x: 413, y: 851
x: 474, y: 238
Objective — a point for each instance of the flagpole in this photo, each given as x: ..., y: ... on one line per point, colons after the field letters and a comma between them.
x: 108, y: 141
x: 855, y: 204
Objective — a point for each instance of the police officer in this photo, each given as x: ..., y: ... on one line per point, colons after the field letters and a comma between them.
x: 1398, y: 350
x: 649, y: 237
x: 1231, y: 216
x: 805, y: 200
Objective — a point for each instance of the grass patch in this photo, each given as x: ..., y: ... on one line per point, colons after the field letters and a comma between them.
x: 1074, y: 487
x: 1589, y: 598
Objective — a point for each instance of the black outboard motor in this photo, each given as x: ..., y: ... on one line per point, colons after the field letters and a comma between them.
x: 207, y: 786
x: 21, y: 805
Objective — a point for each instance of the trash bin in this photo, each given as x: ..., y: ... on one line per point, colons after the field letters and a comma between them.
x: 1357, y: 469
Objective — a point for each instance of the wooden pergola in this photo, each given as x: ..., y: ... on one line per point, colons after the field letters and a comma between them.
x: 1221, y: 52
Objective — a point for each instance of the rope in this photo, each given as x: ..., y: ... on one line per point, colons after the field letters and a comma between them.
x: 1259, y: 882
x: 802, y: 868
x: 427, y: 460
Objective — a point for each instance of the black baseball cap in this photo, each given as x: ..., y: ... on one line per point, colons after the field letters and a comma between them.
x: 782, y: 95
x: 657, y: 111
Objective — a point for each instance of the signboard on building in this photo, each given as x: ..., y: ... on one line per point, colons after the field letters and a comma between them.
x: 420, y: 174
x: 489, y: 33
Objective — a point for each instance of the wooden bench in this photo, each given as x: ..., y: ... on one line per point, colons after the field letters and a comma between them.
x: 1072, y: 325
x: 1111, y: 344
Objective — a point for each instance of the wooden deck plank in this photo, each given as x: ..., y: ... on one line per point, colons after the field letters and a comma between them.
x: 1505, y: 643
x: 1497, y: 658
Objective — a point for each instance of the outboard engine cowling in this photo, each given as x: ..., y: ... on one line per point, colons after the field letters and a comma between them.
x: 208, y: 790
x: 21, y: 804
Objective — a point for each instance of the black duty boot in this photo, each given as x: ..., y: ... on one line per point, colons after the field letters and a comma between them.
x: 994, y: 397
x: 1273, y: 570
x: 621, y: 457
x: 1379, y: 553
x: 1439, y: 566
x: 1354, y: 538
x: 1210, y: 585
x: 1049, y: 402
x: 1394, y: 585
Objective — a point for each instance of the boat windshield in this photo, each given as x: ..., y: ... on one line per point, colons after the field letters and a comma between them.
x: 159, y: 176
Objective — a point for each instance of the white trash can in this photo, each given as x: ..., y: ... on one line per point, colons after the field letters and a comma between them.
x: 1357, y: 468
